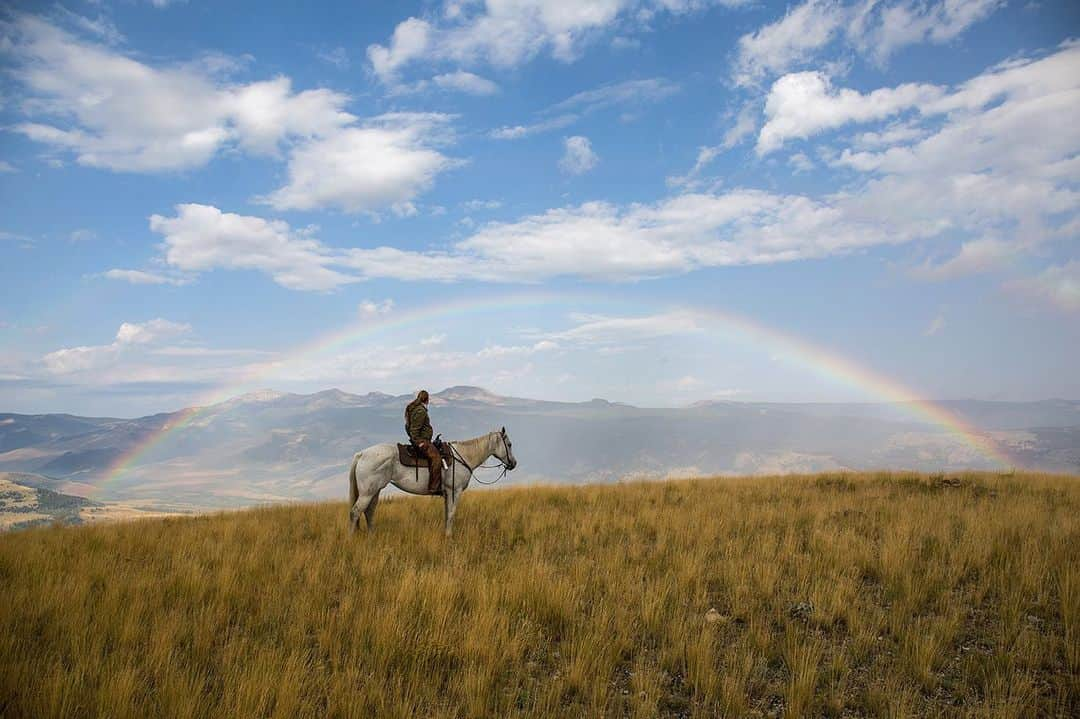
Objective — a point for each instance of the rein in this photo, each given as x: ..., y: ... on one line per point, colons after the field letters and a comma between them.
x: 472, y: 470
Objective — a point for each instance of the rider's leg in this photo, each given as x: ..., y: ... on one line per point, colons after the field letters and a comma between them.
x: 434, y: 467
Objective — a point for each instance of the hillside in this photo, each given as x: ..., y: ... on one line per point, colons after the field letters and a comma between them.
x: 272, y: 446
x: 835, y: 595
x: 24, y: 502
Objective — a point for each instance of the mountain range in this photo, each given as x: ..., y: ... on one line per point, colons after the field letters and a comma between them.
x: 271, y: 446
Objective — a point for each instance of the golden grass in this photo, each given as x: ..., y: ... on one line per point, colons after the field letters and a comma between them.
x: 836, y: 595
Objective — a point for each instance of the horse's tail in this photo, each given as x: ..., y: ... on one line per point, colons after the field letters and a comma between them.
x: 354, y: 493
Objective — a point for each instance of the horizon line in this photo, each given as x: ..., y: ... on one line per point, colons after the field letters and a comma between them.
x: 686, y: 405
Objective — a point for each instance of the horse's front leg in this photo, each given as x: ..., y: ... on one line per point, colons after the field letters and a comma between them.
x: 452, y: 499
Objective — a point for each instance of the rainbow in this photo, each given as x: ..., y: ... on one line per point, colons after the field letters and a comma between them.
x: 735, y: 327
x: 847, y: 372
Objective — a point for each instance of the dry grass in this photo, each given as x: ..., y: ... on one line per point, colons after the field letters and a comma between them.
x: 836, y: 595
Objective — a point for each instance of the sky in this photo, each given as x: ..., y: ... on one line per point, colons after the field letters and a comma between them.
x: 651, y: 201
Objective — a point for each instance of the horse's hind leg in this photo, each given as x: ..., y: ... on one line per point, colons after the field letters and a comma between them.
x: 359, y: 507
x: 369, y: 513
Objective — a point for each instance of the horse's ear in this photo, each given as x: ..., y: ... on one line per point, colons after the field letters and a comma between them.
x: 503, y: 430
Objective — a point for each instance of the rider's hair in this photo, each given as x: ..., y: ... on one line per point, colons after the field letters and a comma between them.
x: 422, y: 395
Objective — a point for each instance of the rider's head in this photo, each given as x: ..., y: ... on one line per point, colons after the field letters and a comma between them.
x: 422, y: 395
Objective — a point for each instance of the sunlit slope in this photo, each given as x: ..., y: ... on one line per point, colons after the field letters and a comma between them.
x: 897, y: 595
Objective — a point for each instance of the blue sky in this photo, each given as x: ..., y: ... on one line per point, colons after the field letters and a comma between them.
x: 191, y: 192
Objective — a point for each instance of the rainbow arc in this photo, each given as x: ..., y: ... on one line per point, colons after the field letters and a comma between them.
x: 735, y: 327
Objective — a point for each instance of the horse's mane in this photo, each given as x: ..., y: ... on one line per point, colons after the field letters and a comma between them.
x: 471, y: 444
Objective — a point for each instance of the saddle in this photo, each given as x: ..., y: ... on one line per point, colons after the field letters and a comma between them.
x: 411, y: 456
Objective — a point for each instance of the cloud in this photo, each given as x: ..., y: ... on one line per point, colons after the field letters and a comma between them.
x: 880, y: 29
x: 114, y: 112
x: 1058, y: 285
x: 800, y: 162
x: 896, y: 134
x: 974, y: 257
x: 473, y: 205
x: 805, y: 103
x: 675, y: 235
x: 496, y: 351
x: 6, y: 167
x: 578, y: 156
x: 507, y: 34
x: 118, y: 113
x: 793, y: 39
x: 745, y: 125
x: 141, y: 277
x: 202, y: 237
x: 265, y: 114
x: 623, y: 93
x: 873, y: 28
x: 457, y: 81
x: 686, y: 383
x: 101, y: 26
x: 705, y: 157
x: 994, y: 164
x: 599, y: 330
x: 567, y: 112
x: 388, y: 159
x: 466, y: 82
x: 14, y: 237
x: 82, y: 235
x: 130, y: 334
x: 516, y: 132
x: 595, y: 240
x: 411, y: 39
x: 338, y: 57
x: 999, y: 164
x: 369, y: 309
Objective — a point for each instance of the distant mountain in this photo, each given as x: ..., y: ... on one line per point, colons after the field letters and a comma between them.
x: 276, y: 446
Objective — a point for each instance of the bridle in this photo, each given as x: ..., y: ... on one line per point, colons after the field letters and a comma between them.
x: 505, y: 464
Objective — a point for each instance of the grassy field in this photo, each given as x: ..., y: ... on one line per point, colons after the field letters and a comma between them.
x: 832, y: 595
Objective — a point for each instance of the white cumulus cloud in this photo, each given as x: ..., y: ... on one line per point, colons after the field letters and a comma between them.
x: 202, y: 237
x: 130, y: 334
x: 115, y: 112
x: 387, y: 160
x: 805, y: 103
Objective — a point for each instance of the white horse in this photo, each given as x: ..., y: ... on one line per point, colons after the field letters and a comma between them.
x: 377, y: 466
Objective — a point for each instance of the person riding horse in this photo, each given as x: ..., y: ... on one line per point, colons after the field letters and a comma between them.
x: 418, y: 427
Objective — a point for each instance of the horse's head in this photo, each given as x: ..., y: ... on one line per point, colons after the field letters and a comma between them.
x: 504, y: 449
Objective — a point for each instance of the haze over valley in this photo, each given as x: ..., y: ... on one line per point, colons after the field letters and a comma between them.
x: 270, y: 446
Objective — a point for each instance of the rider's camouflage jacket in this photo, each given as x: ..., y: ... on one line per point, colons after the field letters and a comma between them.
x: 417, y: 424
